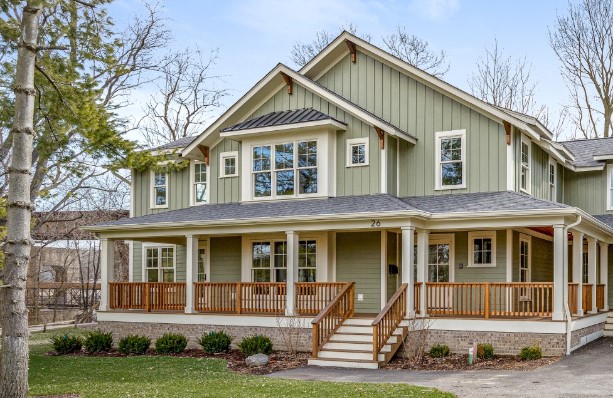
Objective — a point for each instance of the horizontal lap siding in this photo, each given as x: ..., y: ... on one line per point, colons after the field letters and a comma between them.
x: 224, y: 190
x: 138, y: 262
x: 225, y: 258
x: 478, y: 274
x: 422, y: 111
x: 542, y: 260
x: 359, y: 260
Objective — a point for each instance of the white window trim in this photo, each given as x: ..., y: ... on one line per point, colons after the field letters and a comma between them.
x: 193, y: 182
x: 551, y: 162
x: 526, y: 140
x: 146, y: 246
x: 609, y: 186
x: 492, y: 235
x: 272, y: 268
x: 152, y: 196
x: 527, y: 239
x: 444, y: 239
x: 348, y: 151
x: 226, y: 155
x: 449, y: 134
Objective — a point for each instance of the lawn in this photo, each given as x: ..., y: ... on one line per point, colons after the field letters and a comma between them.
x: 144, y: 376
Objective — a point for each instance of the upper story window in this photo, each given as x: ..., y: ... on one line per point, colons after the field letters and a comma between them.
x: 229, y: 165
x: 159, y: 189
x: 287, y: 169
x: 160, y: 264
x: 552, y: 179
x: 610, y: 188
x: 198, y: 177
x: 450, y: 155
x: 483, y: 249
x: 357, y: 153
x: 525, y: 164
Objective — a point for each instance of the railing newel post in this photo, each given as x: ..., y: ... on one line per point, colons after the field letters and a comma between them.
x: 486, y: 300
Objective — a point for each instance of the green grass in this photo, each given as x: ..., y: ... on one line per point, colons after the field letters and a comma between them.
x: 178, y: 377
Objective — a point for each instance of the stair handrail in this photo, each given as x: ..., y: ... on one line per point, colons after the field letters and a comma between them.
x: 326, y: 323
x: 389, y: 319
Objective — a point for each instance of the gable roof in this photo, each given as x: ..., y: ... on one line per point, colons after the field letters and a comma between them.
x: 180, y: 143
x: 585, y: 151
x: 282, y: 118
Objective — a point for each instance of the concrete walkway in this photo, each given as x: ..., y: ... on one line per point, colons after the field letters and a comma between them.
x: 585, y: 373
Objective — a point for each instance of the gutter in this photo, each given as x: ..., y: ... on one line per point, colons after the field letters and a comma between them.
x: 566, y: 302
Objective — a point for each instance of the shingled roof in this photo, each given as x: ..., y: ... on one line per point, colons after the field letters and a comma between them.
x: 281, y: 118
x: 584, y: 151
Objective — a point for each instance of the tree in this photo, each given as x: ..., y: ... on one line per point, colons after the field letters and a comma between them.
x: 504, y: 82
x: 582, y: 41
x: 416, y: 52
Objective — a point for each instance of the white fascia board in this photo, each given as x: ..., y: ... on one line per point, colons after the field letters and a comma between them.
x: 551, y: 150
x: 602, y: 157
x: 562, y: 148
x: 581, y: 169
x: 335, y: 125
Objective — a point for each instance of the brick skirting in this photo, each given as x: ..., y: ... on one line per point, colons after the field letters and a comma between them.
x: 576, y: 335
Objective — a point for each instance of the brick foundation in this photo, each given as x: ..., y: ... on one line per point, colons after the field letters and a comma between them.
x: 576, y: 335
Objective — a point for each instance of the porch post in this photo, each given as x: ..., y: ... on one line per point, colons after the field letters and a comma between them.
x: 592, y: 271
x: 576, y: 259
x: 422, y: 263
x: 291, y: 271
x: 407, y: 266
x: 603, y: 271
x: 107, y: 260
x: 191, y: 272
x: 558, y: 281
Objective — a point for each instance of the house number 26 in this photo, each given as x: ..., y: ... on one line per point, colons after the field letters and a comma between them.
x: 375, y: 223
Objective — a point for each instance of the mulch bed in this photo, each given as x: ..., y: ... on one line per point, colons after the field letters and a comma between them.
x: 278, y: 360
x: 461, y: 362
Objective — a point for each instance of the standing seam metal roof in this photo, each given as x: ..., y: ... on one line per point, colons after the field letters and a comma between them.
x: 281, y: 118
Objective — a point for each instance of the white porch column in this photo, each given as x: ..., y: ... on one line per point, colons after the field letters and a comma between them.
x: 407, y: 266
x: 291, y: 271
x: 558, y: 281
x: 107, y: 260
x: 576, y: 260
x: 191, y: 271
x: 592, y: 271
x: 422, y: 264
x: 603, y: 271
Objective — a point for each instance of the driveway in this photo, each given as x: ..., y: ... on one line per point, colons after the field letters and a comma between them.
x: 585, y: 373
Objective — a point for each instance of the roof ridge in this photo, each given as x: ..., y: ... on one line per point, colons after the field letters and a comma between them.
x: 584, y: 139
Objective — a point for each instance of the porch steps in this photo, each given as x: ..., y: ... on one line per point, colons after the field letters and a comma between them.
x: 608, y: 325
x: 352, y: 346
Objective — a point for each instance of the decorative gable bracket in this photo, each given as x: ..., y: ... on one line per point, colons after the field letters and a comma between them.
x: 508, y: 132
x: 381, y: 135
x: 288, y: 80
x: 352, y: 47
x: 205, y: 151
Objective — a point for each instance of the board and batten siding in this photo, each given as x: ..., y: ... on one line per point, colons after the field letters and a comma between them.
x: 138, y: 261
x: 478, y: 274
x: 422, y: 111
x: 225, y: 258
x: 178, y: 191
x: 587, y: 190
x: 361, y: 180
x: 359, y: 260
x: 226, y: 189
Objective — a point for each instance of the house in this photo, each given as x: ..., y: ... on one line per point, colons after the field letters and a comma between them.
x: 360, y: 192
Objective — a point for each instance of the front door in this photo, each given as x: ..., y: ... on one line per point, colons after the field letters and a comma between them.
x: 440, y: 264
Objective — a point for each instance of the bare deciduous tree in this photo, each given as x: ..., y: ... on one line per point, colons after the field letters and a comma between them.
x: 416, y: 52
x: 582, y: 40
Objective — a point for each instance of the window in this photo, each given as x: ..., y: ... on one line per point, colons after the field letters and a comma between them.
x: 160, y: 264
x: 483, y: 249
x: 450, y: 159
x: 287, y: 169
x: 261, y: 262
x: 610, y: 188
x: 525, y: 264
x: 552, y: 179
x: 357, y: 153
x: 525, y: 165
x: 439, y: 262
x: 271, y: 266
x: 584, y: 267
x: 280, y: 261
x: 228, y: 164
x: 307, y: 261
x: 159, y: 189
x: 202, y: 262
x: 199, y: 183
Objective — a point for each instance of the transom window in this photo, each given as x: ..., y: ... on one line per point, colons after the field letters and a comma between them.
x: 288, y: 169
x: 552, y: 179
x: 271, y: 265
x: 450, y: 159
x: 199, y: 183
x: 482, y: 251
x: 229, y: 164
x: 159, y: 185
x: 357, y: 152
x: 525, y: 164
x: 160, y: 264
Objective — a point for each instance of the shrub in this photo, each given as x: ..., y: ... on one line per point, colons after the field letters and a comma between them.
x: 171, y: 343
x: 256, y: 345
x: 98, y: 341
x: 531, y: 353
x: 214, y: 342
x: 485, y: 351
x: 134, y: 344
x: 439, y: 351
x: 66, y: 344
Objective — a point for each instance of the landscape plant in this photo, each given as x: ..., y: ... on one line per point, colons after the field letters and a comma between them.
x: 256, y: 345
x: 134, y: 344
x: 215, y: 342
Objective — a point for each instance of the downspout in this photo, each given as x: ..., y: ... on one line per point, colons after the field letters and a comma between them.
x: 566, y: 264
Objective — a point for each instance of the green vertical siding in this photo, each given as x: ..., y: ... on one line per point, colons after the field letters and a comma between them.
x: 227, y: 189
x: 359, y: 260
x: 178, y: 191
x: 478, y: 274
x: 610, y: 277
x: 225, y: 258
x: 587, y: 190
x: 540, y: 180
x: 137, y: 261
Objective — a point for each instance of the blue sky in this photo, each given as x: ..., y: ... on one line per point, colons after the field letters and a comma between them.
x: 254, y: 35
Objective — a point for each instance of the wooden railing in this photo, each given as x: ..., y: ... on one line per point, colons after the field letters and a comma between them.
x: 163, y: 296
x: 389, y: 319
x: 572, y: 298
x: 312, y: 297
x: 587, y: 297
x: 600, y: 297
x: 453, y: 298
x: 417, y: 288
x: 240, y: 297
x: 331, y: 317
x: 521, y: 299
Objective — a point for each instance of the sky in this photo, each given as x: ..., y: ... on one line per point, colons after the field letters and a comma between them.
x: 252, y: 36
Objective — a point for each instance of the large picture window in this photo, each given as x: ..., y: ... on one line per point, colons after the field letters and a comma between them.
x: 270, y: 261
x: 159, y: 189
x: 450, y: 159
x: 286, y: 169
x: 160, y: 264
x: 525, y: 164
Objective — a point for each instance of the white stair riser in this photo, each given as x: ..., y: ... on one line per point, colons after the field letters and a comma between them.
x: 353, y: 346
x: 362, y: 329
x: 342, y: 364
x: 359, y: 322
x: 360, y: 338
x: 366, y: 356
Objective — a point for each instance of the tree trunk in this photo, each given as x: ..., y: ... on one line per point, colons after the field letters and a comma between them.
x: 14, y: 319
